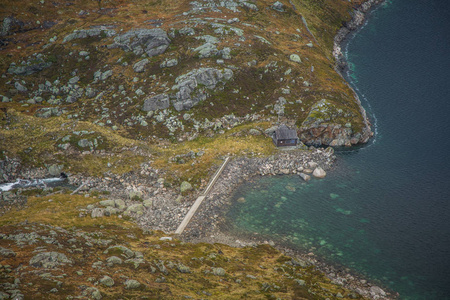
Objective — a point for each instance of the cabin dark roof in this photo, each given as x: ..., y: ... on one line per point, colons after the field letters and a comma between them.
x: 284, y: 133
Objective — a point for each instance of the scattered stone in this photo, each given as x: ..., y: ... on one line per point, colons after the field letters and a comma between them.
x: 183, y: 269
x: 120, y: 250
x: 300, y: 282
x: 165, y: 238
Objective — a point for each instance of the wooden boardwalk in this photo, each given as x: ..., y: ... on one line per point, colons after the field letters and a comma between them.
x: 200, y: 199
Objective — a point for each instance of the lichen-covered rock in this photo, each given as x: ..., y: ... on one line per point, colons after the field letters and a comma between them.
x: 192, y: 87
x: 295, y: 58
x: 97, y: 213
x: 92, y: 292
x: 218, y: 271
x: 131, y: 284
x: 85, y: 33
x: 139, y: 67
x: 113, y: 260
x: 139, y: 41
x: 168, y: 63
x: 49, y: 260
x: 161, y: 101
x: 36, y: 65
x: 55, y: 170
x: 120, y: 250
x: 107, y: 281
x: 137, y: 209
x: 327, y: 124
x: 185, y: 186
x: 107, y: 203
x: 183, y: 269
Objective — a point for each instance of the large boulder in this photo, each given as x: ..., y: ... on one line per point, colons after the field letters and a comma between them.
x: 139, y: 41
x: 193, y: 86
x: 160, y: 101
x: 319, y: 173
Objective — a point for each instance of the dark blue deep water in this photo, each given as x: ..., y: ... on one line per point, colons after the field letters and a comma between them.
x: 384, y: 210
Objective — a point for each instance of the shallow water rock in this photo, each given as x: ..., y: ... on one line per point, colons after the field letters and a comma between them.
x: 305, y: 177
x: 319, y: 173
x: 377, y: 291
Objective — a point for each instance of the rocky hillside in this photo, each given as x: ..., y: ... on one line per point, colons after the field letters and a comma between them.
x: 140, y: 101
x: 92, y: 77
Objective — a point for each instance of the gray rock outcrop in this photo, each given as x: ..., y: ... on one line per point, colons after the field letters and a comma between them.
x: 160, y: 101
x: 192, y: 86
x: 49, y: 260
x: 85, y: 33
x: 139, y: 67
x: 139, y: 41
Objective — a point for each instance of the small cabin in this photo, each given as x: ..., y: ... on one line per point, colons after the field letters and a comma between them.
x: 284, y: 136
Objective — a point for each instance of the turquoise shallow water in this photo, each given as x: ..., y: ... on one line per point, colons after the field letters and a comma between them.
x: 384, y: 210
